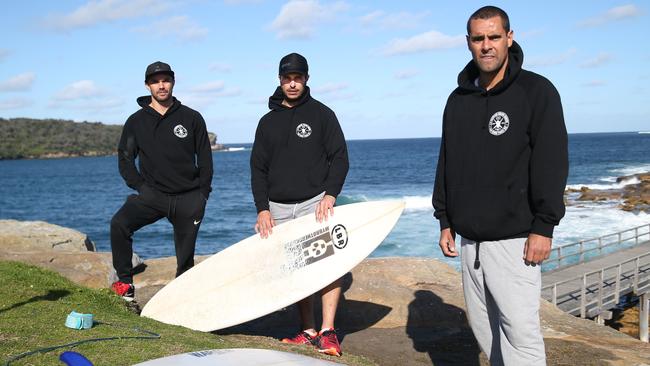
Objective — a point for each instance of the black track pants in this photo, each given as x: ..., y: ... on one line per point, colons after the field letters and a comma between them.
x: 184, y: 212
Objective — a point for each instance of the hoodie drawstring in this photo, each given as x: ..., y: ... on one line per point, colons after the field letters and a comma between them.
x: 477, y: 262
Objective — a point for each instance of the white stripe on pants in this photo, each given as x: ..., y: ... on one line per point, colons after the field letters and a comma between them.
x: 502, y: 298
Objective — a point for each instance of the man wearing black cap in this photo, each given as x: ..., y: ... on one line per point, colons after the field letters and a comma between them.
x: 298, y: 166
x: 174, y: 176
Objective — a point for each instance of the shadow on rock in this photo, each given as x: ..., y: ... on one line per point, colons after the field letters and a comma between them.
x: 352, y: 316
x: 52, y: 295
x: 441, y: 330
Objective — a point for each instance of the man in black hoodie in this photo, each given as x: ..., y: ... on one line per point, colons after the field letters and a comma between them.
x: 298, y: 166
x: 174, y: 177
x: 500, y: 180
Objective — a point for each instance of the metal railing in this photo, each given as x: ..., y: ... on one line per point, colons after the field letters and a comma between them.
x: 584, y: 250
x: 596, y: 296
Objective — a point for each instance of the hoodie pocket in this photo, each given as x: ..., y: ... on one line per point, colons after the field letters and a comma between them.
x: 489, y: 213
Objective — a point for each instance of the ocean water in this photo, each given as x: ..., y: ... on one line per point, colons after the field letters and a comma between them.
x: 84, y: 193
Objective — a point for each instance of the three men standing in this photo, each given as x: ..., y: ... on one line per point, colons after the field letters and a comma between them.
x: 500, y: 181
x: 174, y: 176
x: 298, y: 166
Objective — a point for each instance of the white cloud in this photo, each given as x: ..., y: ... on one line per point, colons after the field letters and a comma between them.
x: 594, y: 83
x: 220, y: 66
x: 15, y: 103
x: 614, y: 14
x: 391, y: 21
x: 101, y: 105
x: 209, y: 87
x: 599, y: 60
x: 552, y: 60
x: 330, y: 88
x: 104, y: 11
x: 82, y: 89
x: 4, y: 53
x: 299, y: 18
x: 406, y: 74
x: 423, y: 42
x: 180, y: 27
x: 20, y: 82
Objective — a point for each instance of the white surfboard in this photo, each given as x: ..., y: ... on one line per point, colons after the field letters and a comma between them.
x: 256, y: 276
x: 238, y: 357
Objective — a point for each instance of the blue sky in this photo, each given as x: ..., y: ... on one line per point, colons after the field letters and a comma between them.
x: 385, y: 67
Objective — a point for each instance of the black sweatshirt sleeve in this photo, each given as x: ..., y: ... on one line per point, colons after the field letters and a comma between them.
x: 259, y: 170
x: 337, y: 154
x: 549, y: 163
x: 439, y: 198
x: 203, y: 155
x: 127, y: 151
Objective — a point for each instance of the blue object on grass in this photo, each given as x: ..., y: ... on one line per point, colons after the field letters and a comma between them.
x: 74, y: 359
x: 79, y: 321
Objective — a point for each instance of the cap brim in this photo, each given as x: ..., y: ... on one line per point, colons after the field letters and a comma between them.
x: 170, y: 73
x: 301, y: 72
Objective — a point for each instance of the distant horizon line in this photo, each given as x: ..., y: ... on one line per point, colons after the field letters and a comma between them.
x: 437, y: 137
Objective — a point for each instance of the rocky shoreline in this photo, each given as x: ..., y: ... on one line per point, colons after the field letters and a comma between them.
x: 406, y: 311
x: 634, y: 195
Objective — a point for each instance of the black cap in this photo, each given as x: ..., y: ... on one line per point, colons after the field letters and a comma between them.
x: 158, y: 68
x: 293, y: 62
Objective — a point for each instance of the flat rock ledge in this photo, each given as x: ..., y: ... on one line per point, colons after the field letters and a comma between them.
x: 395, y: 311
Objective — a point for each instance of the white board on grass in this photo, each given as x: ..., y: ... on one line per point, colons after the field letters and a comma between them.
x: 256, y: 276
x: 237, y: 357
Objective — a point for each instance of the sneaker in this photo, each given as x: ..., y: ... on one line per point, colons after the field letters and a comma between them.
x: 327, y: 343
x: 301, y: 338
x: 126, y: 290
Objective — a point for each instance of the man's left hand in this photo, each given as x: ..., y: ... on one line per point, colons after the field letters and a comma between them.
x: 325, y: 208
x: 537, y: 249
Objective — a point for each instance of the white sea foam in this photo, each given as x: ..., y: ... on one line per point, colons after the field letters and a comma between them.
x: 613, y: 185
x: 593, y: 220
x: 418, y: 203
x: 234, y: 149
x: 630, y: 170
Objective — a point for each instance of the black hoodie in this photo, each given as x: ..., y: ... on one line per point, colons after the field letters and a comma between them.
x: 503, y: 160
x: 298, y: 152
x: 173, y: 149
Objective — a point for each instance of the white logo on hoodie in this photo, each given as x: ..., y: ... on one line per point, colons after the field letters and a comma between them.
x: 303, y: 130
x: 499, y: 123
x: 180, y: 131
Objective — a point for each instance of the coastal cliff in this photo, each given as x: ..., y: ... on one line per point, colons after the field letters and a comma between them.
x: 393, y: 310
x: 27, y: 138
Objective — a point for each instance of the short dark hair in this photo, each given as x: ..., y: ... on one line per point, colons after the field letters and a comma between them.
x: 487, y: 12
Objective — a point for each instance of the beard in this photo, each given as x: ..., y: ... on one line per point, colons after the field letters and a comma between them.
x: 162, y: 99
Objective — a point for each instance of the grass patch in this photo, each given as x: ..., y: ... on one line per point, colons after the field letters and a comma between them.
x: 35, y: 302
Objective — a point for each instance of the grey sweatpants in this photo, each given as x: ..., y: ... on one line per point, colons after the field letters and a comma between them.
x: 283, y: 212
x: 502, y: 298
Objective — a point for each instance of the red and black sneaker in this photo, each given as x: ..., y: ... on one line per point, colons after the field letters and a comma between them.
x: 126, y: 290
x: 301, y: 338
x: 327, y: 343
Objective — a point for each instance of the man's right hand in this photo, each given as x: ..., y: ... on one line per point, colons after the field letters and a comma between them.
x: 448, y: 243
x: 265, y: 224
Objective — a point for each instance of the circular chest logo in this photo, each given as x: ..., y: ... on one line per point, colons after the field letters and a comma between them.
x: 180, y: 131
x: 499, y: 123
x: 339, y: 236
x: 303, y: 130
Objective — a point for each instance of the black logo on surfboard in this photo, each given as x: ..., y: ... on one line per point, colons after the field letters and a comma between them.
x: 340, y: 236
x: 309, y: 249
